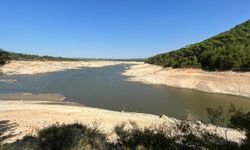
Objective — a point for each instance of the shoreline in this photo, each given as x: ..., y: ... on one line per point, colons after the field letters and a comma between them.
x: 37, y: 67
x: 226, y: 82
x: 28, y: 117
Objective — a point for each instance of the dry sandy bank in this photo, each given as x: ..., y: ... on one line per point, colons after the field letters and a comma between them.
x: 34, y: 67
x: 228, y: 82
x: 28, y: 117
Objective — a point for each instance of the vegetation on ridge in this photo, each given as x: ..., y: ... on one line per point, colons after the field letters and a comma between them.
x: 226, y: 51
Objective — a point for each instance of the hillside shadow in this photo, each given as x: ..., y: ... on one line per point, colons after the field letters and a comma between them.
x: 6, y: 126
x: 242, y: 70
x: 221, y: 70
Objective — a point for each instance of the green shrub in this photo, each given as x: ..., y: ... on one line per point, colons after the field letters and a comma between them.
x: 71, y: 137
x: 237, y: 119
x: 241, y: 120
x: 184, y: 136
x: 147, y: 138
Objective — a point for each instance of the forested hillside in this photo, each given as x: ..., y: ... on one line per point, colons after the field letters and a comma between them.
x: 226, y: 51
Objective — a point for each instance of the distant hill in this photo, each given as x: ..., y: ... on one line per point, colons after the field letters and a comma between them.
x: 6, y: 56
x: 226, y: 51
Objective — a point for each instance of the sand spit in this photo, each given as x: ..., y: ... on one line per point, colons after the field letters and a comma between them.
x: 28, y: 117
x: 8, y: 80
x: 32, y: 97
x: 227, y: 82
x: 34, y: 67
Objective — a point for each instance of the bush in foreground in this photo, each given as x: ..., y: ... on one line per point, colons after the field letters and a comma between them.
x: 183, y: 136
x: 63, y: 137
x: 237, y: 119
x: 75, y: 136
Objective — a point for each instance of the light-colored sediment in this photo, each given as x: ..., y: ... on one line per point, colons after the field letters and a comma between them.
x: 8, y: 80
x: 34, y: 67
x: 33, y: 97
x: 226, y: 82
x: 28, y: 117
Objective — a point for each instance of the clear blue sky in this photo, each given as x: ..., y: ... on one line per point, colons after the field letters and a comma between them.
x: 113, y: 28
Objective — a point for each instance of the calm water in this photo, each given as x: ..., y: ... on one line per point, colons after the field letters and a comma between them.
x: 106, y: 88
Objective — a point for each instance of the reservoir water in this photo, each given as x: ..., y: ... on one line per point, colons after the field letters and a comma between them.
x: 106, y: 88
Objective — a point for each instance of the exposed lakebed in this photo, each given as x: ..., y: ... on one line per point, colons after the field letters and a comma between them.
x: 105, y: 87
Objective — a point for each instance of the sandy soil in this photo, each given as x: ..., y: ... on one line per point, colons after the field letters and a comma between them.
x: 228, y: 82
x: 34, y: 67
x: 28, y: 117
